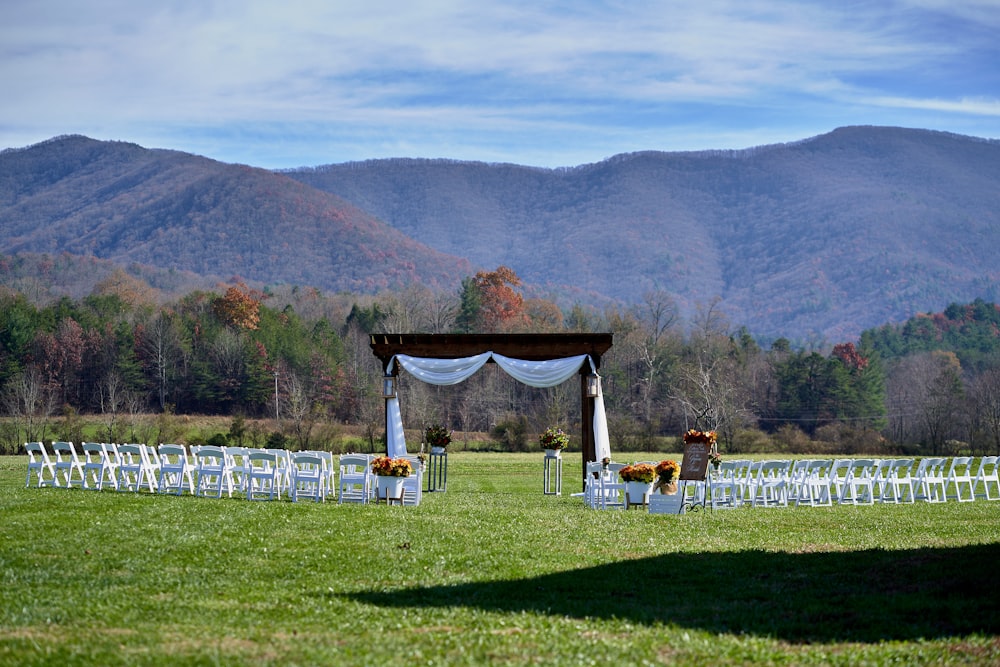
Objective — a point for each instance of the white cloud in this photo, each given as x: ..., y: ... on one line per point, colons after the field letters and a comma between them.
x: 456, y: 71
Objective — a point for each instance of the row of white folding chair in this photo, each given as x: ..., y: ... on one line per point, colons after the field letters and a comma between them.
x: 126, y: 467
x: 849, y: 481
x: 256, y: 473
x: 213, y: 470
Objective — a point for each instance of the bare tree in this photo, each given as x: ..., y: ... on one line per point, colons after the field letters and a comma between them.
x: 299, y: 406
x: 30, y: 402
x: 159, y: 344
x: 114, y: 398
x: 923, y: 397
x: 985, y: 405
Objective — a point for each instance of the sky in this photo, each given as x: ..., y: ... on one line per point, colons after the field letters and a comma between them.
x: 547, y: 84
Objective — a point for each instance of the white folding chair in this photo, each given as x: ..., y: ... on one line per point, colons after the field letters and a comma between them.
x: 152, y: 460
x: 283, y: 458
x: 898, y: 486
x: 770, y: 488
x: 591, y: 484
x: 989, y: 477
x: 929, y: 481
x: 329, y: 470
x: 355, y: 479
x: 815, y: 489
x: 40, y: 464
x: 308, y: 477
x: 725, y: 487
x: 97, y: 466
x: 857, y: 487
x: 68, y: 466
x: 238, y: 463
x: 176, y: 469
x: 748, y: 481
x: 263, y: 476
x: 134, y: 470
x: 414, y: 484
x: 213, y: 478
x: 880, y: 478
x: 838, y: 467
x: 796, y: 479
x: 960, y: 479
x: 612, y: 488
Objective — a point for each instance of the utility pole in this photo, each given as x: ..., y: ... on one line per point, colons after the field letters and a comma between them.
x: 277, y: 418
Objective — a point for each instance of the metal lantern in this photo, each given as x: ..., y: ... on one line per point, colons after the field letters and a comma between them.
x: 593, y: 385
x: 389, y: 386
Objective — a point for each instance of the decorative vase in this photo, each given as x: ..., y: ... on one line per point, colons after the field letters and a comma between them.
x: 553, y: 453
x: 636, y: 492
x: 666, y: 488
x: 389, y: 488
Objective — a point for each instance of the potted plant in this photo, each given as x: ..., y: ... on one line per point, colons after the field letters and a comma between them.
x: 638, y: 479
x: 667, y: 473
x: 437, y: 438
x: 553, y: 440
x: 389, y: 476
x: 707, y: 437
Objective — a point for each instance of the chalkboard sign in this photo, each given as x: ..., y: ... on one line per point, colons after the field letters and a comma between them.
x: 694, y: 465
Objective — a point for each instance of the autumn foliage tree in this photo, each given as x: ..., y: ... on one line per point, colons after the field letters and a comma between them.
x: 490, y: 302
x: 239, y: 307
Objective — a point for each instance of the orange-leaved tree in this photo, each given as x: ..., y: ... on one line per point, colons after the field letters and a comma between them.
x: 240, y: 307
x: 490, y: 303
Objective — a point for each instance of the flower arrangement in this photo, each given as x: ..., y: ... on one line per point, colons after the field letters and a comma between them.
x: 708, y: 437
x: 384, y: 466
x: 668, y: 471
x: 437, y: 436
x: 553, y: 438
x: 638, y: 472
x: 714, y: 458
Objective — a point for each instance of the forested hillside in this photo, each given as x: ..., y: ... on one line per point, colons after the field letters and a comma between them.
x: 823, y: 238
x: 121, y: 353
x: 169, y: 210
x: 814, y: 241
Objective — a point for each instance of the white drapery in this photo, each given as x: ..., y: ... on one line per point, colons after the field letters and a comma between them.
x: 549, y: 373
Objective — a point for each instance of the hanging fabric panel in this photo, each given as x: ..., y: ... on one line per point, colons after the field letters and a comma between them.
x: 602, y: 442
x: 549, y: 373
x: 395, y: 438
x: 441, y: 371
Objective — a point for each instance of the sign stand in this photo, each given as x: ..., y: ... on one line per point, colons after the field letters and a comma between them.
x: 694, y: 467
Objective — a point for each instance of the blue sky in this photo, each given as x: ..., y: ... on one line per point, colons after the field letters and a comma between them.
x: 300, y: 82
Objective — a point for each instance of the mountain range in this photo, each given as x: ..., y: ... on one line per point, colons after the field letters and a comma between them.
x: 813, y: 240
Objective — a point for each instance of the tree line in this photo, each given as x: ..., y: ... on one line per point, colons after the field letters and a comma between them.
x: 302, y: 359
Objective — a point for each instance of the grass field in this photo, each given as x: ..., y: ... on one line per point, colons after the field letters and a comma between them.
x: 491, y: 572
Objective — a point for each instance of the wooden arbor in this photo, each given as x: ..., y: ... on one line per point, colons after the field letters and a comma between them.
x: 532, y: 347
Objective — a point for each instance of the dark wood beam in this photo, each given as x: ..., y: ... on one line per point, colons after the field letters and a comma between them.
x: 533, y: 347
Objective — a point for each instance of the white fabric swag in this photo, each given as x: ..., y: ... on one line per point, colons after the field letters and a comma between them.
x: 542, y: 374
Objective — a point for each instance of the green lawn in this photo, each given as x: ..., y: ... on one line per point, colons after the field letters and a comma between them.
x: 491, y: 572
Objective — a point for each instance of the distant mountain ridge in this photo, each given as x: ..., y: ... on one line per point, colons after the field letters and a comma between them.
x: 821, y: 238
x: 172, y: 210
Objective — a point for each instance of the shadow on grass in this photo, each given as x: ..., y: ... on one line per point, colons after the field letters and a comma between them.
x: 864, y: 596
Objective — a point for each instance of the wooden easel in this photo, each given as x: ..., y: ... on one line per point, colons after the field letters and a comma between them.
x: 694, y: 468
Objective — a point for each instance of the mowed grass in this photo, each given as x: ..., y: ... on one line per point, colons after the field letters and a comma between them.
x: 490, y: 572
